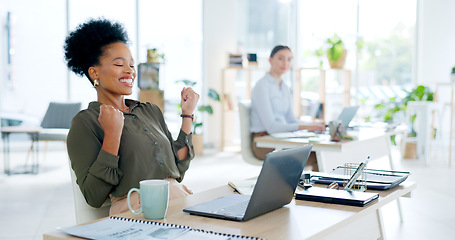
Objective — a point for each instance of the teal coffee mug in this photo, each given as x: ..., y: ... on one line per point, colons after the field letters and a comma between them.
x: 154, y: 196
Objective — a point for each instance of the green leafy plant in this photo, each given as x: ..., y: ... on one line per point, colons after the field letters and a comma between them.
x: 335, y: 48
x: 212, y: 94
x: 395, y: 106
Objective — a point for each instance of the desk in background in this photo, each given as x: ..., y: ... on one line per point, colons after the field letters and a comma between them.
x: 34, y: 133
x: 297, y: 220
x: 330, y: 154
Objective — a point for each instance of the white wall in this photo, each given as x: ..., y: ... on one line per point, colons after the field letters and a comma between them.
x: 219, y: 34
x: 436, y: 41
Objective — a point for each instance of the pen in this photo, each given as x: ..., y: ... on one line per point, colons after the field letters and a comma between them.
x: 356, y: 174
x: 333, y: 185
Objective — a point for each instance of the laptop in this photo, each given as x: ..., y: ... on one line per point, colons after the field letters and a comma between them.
x: 275, y: 187
x: 347, y: 115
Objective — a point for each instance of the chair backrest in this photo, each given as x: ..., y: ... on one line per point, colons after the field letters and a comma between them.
x: 84, y: 212
x: 59, y: 115
x: 245, y: 134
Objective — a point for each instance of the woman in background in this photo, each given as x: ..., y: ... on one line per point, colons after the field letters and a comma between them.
x: 117, y: 142
x: 271, y: 102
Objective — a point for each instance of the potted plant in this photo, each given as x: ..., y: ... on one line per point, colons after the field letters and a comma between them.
x: 154, y: 56
x: 336, y: 52
x: 198, y: 142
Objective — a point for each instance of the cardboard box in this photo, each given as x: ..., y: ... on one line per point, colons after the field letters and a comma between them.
x: 152, y: 96
x: 410, y: 150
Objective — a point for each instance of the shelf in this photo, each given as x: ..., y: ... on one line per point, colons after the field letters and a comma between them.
x: 323, y: 90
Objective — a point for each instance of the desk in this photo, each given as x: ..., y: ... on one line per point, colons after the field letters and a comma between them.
x: 297, y: 220
x: 330, y: 154
x: 34, y: 133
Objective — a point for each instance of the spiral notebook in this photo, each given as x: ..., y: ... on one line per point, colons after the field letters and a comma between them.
x: 126, y: 228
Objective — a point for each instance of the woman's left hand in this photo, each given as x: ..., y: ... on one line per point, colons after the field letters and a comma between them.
x: 189, y: 100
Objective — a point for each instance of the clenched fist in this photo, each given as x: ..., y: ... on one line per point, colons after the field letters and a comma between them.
x: 111, y: 120
x: 189, y: 100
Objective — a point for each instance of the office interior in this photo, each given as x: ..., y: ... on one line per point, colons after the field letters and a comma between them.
x: 392, y: 46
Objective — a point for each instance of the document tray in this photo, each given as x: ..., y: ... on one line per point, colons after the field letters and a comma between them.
x: 375, y: 179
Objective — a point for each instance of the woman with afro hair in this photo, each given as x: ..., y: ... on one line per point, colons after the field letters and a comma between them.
x: 117, y: 142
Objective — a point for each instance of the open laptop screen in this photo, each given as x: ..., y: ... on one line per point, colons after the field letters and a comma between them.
x: 348, y: 114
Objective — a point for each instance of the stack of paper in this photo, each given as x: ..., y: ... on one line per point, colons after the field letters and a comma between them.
x: 244, y: 187
x: 295, y: 134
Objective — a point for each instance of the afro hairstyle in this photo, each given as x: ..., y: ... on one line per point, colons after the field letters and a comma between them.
x: 84, y: 46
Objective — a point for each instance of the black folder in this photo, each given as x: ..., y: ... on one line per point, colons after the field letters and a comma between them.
x: 328, y: 195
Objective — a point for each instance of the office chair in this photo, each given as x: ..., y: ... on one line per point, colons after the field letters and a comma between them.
x: 245, y: 134
x: 56, y: 122
x: 84, y: 212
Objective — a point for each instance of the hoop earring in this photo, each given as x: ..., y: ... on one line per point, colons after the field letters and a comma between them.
x: 96, y: 82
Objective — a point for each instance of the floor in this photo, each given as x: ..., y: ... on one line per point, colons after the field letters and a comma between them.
x: 31, y: 205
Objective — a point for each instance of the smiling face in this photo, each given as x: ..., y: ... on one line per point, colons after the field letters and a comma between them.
x: 115, y: 71
x: 281, y: 61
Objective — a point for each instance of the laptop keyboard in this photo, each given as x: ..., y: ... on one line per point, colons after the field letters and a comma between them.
x: 234, y: 210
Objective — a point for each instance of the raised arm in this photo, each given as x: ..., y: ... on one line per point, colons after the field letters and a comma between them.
x: 189, y: 99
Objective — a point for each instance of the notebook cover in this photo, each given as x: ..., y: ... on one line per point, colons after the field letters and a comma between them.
x: 326, y: 195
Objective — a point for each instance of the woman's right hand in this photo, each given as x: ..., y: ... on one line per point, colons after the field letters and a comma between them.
x: 313, y: 127
x: 111, y: 120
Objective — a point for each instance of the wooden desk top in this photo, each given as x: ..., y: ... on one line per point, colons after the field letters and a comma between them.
x: 297, y: 220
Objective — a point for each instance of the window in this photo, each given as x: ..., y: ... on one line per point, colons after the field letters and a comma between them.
x: 388, y: 42
x: 379, y: 37
x: 175, y: 29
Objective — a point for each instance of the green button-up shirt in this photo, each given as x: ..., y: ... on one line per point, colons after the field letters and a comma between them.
x: 147, y: 151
